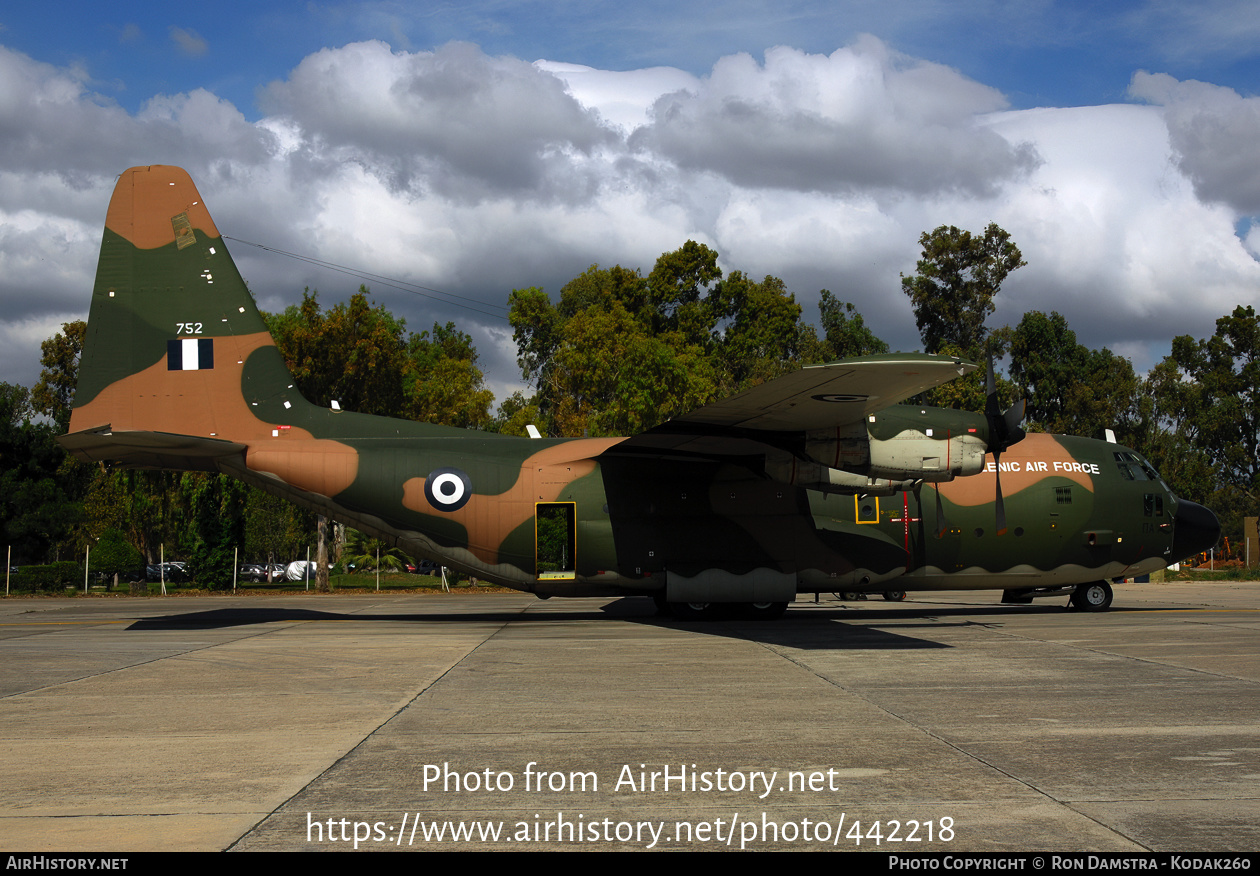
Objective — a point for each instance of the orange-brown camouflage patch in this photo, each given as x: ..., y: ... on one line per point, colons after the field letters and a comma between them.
x: 145, y: 201
x: 207, y: 403
x: 318, y: 465
x: 980, y: 489
x: 489, y: 519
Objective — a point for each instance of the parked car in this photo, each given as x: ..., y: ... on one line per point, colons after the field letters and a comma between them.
x: 252, y: 572
x: 175, y: 572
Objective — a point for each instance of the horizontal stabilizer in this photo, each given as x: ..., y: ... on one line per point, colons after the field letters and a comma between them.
x: 159, y: 450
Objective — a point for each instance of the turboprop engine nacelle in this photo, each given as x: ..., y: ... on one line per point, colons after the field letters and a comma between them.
x: 813, y: 475
x: 902, y: 445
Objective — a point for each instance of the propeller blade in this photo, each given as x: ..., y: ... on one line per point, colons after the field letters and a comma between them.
x: 1004, y: 430
x: 1000, y: 504
x: 941, y: 522
x: 991, y: 406
x: 1013, y: 417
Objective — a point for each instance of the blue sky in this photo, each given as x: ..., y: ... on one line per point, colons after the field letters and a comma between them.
x: 1037, y: 53
x: 811, y: 140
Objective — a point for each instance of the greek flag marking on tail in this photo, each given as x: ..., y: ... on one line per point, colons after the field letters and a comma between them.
x: 190, y: 354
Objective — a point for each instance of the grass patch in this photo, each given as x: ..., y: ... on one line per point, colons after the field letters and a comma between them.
x: 1236, y: 573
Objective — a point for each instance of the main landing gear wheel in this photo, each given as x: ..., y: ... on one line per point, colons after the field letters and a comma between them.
x: 703, y: 611
x: 894, y: 595
x: 1092, y: 597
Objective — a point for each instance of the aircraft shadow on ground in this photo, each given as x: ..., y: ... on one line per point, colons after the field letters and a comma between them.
x: 240, y: 617
x: 810, y: 627
x: 813, y: 627
x: 815, y: 631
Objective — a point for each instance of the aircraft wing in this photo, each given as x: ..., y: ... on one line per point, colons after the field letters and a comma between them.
x: 816, y: 397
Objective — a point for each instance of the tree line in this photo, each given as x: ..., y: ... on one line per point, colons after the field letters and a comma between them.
x: 619, y: 352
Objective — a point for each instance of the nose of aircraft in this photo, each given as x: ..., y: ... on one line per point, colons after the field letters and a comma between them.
x: 1195, y: 529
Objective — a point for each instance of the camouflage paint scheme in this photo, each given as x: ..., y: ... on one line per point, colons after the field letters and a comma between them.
x: 816, y: 481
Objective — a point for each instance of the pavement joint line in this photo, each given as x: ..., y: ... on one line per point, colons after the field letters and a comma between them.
x: 1104, y: 800
x: 1074, y: 646
x: 955, y: 748
x: 367, y: 736
x: 157, y: 659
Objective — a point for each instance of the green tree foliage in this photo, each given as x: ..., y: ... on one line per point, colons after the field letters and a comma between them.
x: 52, y: 397
x: 1071, y: 389
x: 136, y: 503
x: 36, y: 510
x: 361, y: 552
x: 555, y: 529
x: 15, y: 404
x: 676, y: 288
x: 354, y: 353
x: 845, y: 332
x: 620, y: 353
x: 442, y: 382
x: 276, y: 530
x: 514, y: 414
x: 954, y: 285
x: 54, y: 393
x: 113, y: 555
x: 966, y: 393
x: 217, y: 512
x: 760, y: 336
x: 1208, y: 394
x: 361, y: 356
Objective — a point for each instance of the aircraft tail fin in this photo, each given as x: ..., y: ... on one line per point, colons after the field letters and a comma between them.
x: 175, y: 344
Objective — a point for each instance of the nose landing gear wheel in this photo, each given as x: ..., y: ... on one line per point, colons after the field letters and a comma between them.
x: 1092, y: 597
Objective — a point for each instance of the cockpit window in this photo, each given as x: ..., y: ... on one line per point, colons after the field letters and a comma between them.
x: 1149, y: 470
x: 1133, y: 467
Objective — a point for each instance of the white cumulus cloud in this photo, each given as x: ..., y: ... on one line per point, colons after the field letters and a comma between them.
x: 1214, y: 131
x: 476, y: 174
x: 861, y: 118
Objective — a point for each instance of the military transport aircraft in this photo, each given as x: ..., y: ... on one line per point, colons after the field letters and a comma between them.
x: 816, y: 481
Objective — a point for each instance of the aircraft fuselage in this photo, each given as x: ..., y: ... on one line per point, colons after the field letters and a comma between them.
x: 1077, y: 510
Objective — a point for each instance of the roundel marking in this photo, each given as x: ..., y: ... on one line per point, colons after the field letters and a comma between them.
x: 840, y: 397
x: 447, y: 489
